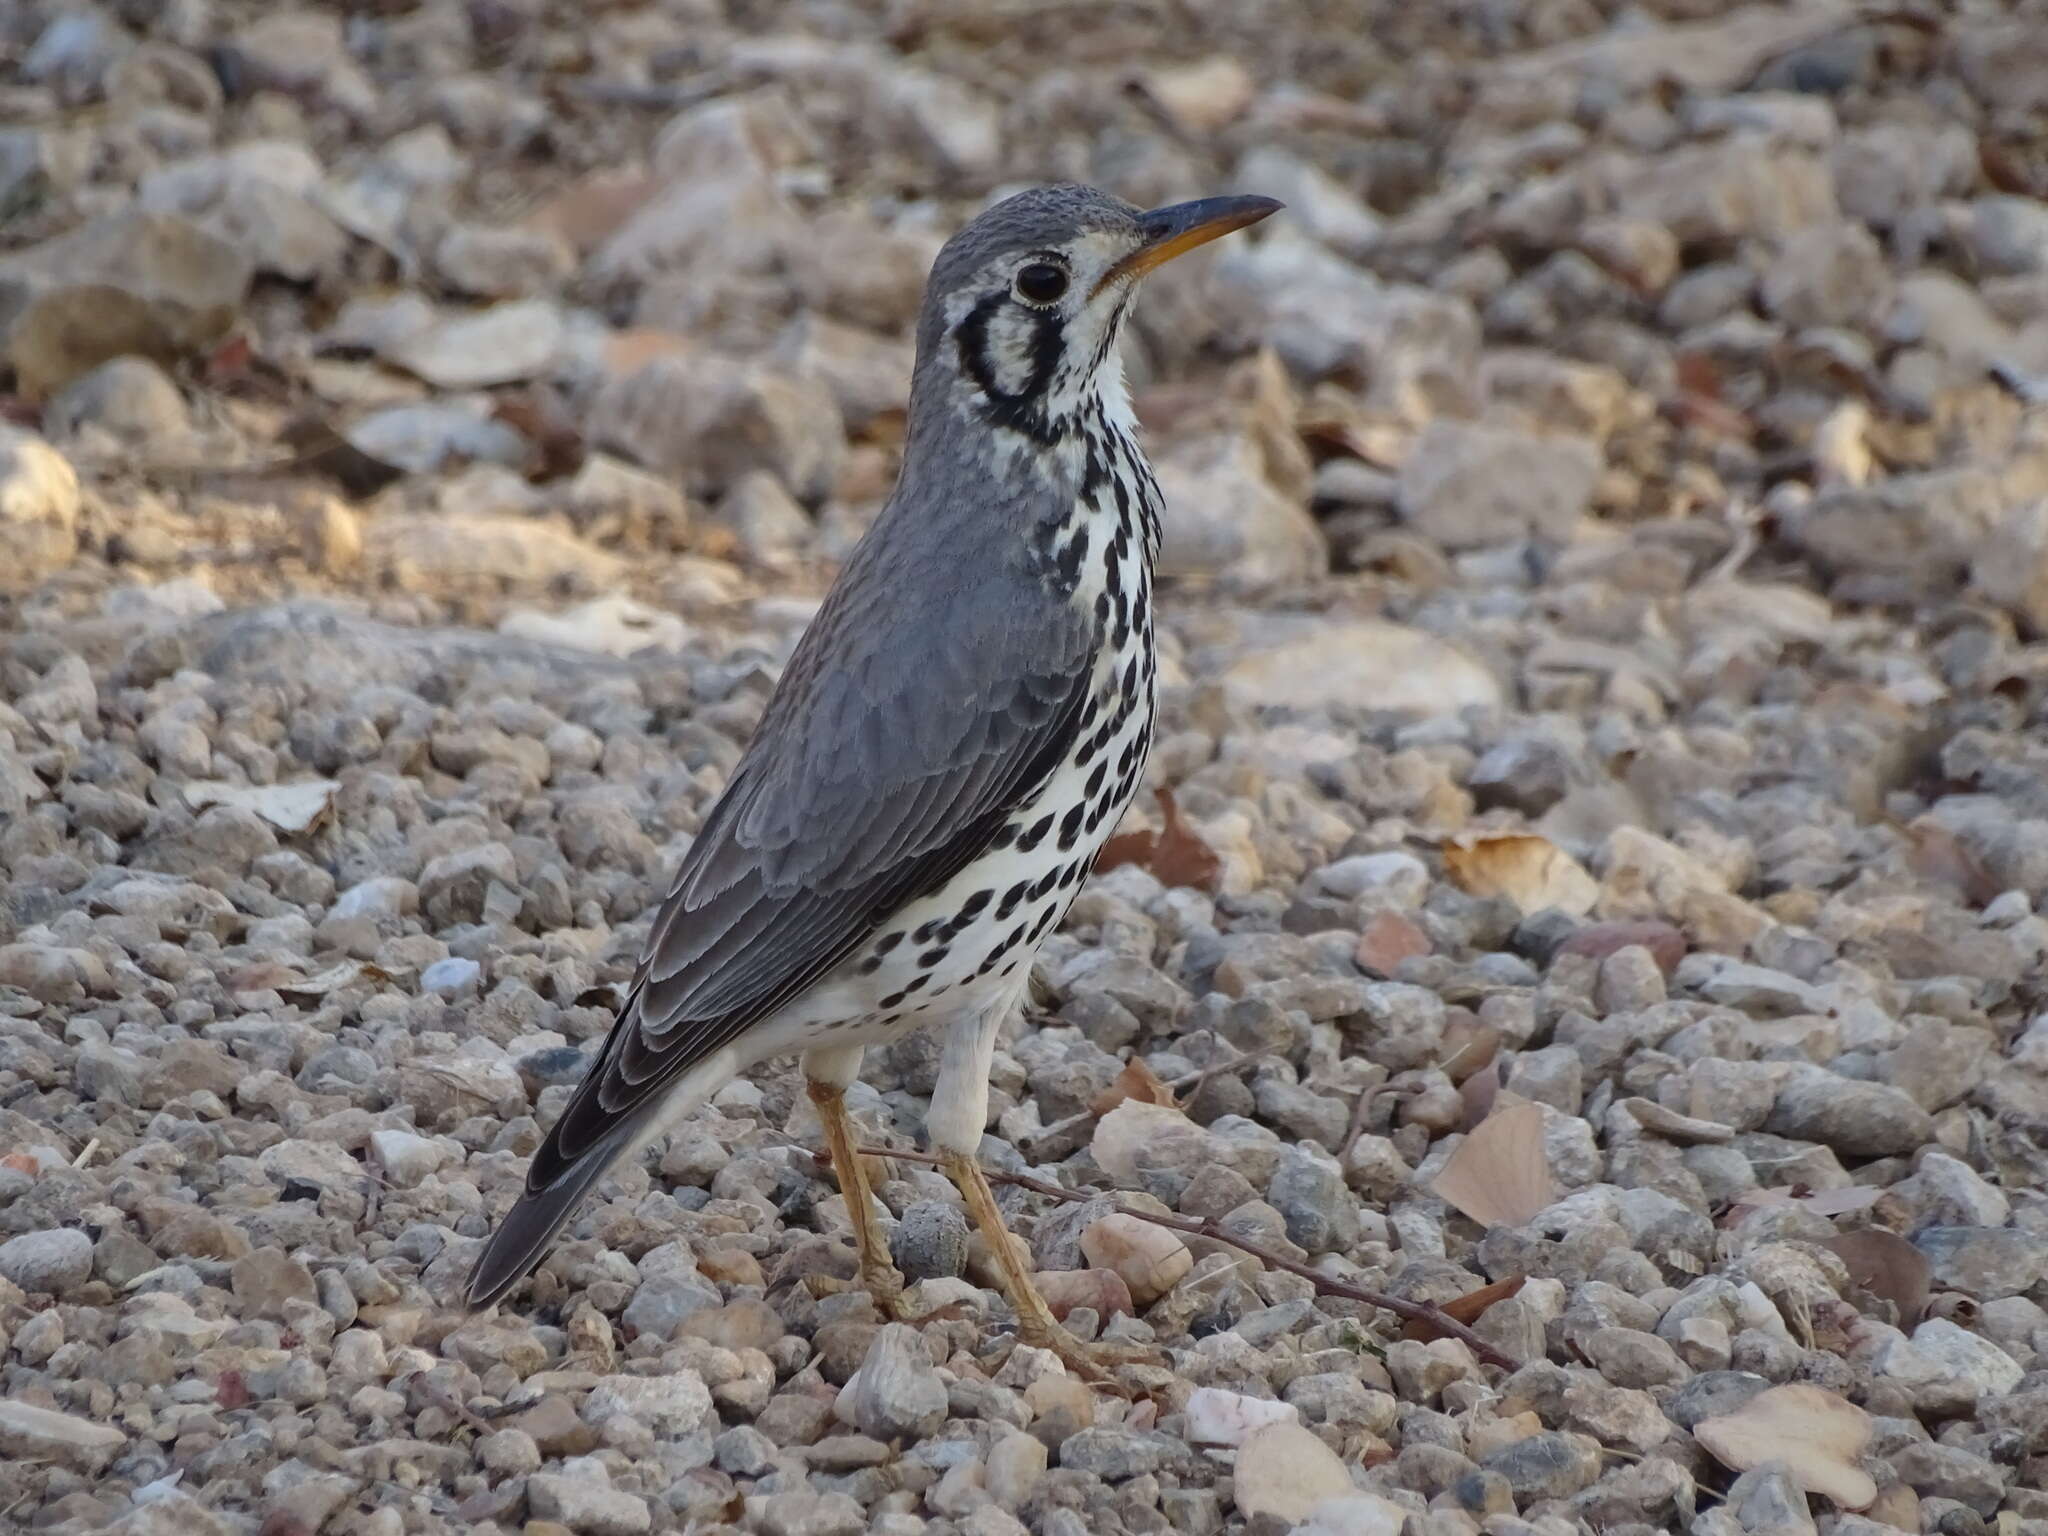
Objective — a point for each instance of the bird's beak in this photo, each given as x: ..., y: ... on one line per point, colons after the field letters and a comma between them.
x: 1181, y: 227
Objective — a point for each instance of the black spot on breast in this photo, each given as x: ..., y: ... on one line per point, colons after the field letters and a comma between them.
x: 972, y: 907
x: 1068, y: 560
x: 888, y: 942
x: 893, y: 1000
x: 1070, y: 825
x: 1005, y: 835
x: 869, y: 966
x: 926, y: 931
x: 1095, y: 471
x: 1095, y: 779
x: 1010, y: 899
x: 1036, y: 835
x: 932, y: 957
x: 916, y: 983
x: 1044, y: 884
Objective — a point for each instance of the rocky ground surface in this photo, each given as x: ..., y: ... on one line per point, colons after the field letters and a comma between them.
x: 1605, y: 704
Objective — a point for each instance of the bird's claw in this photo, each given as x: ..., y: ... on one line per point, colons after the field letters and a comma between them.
x: 885, y: 1286
x: 1095, y: 1363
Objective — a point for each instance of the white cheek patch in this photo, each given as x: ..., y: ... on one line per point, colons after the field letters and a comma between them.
x: 1012, y: 337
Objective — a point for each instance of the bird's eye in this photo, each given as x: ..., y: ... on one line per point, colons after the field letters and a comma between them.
x: 1041, y: 283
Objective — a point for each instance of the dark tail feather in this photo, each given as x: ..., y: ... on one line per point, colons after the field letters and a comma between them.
x: 528, y: 1230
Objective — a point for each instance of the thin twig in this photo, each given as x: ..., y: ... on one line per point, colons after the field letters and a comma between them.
x: 1414, y: 1311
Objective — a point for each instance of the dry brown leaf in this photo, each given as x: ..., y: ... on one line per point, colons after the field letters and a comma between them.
x: 295, y: 807
x: 555, y: 446
x: 1175, y: 853
x: 320, y: 450
x: 1136, y: 1082
x: 1817, y: 1434
x: 1500, y: 1175
x: 629, y: 351
x: 333, y: 979
x: 1890, y: 1268
x: 595, y: 208
x: 1840, y: 1202
x: 1937, y: 855
x: 1466, y: 1309
x: 1531, y: 871
x: 1822, y: 1202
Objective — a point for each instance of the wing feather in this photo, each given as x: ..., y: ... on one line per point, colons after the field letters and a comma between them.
x: 876, y: 775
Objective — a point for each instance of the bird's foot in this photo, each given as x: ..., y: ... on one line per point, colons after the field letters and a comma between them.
x: 1095, y: 1363
x: 885, y: 1286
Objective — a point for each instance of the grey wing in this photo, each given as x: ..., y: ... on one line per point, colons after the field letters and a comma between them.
x: 851, y: 802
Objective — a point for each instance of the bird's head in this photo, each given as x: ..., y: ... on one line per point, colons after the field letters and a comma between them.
x: 1024, y: 306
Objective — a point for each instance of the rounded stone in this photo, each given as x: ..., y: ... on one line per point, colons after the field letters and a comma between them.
x: 930, y: 1242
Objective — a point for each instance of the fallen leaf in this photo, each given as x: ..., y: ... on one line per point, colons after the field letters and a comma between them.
x: 1937, y: 855
x: 1466, y: 1309
x: 333, y: 979
x: 1839, y: 1202
x: 1500, y: 1175
x: 595, y: 208
x: 614, y: 625
x: 317, y: 448
x: 630, y: 350
x: 261, y: 977
x: 1890, y: 1268
x: 555, y: 446
x: 1822, y: 1202
x: 1136, y: 1082
x: 1531, y: 871
x: 1817, y: 1434
x: 1175, y: 853
x: 294, y: 807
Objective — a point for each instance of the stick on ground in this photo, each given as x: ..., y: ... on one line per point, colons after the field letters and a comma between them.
x: 1326, y: 1285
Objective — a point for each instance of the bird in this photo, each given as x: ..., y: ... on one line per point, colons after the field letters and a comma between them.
x: 954, y: 736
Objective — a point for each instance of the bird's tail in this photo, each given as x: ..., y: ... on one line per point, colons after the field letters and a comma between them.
x: 529, y: 1228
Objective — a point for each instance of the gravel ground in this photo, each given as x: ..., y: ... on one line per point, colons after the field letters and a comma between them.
x: 1606, y: 712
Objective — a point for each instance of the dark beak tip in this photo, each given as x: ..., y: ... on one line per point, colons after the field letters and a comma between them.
x: 1225, y: 213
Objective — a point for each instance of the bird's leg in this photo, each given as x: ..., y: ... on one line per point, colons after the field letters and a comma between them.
x: 1036, y: 1325
x: 958, y: 1115
x: 878, y: 1276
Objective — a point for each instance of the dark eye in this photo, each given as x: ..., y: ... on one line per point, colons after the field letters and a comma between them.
x: 1041, y: 283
